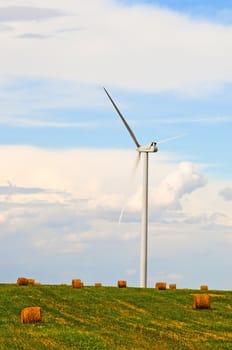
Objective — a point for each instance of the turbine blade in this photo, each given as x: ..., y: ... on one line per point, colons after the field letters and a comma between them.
x: 121, y: 214
x: 135, y: 167
x: 171, y: 138
x: 133, y: 173
x: 123, y: 119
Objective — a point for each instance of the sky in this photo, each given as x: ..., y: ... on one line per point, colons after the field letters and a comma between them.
x: 67, y: 161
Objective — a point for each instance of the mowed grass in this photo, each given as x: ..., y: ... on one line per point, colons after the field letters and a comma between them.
x: 112, y: 318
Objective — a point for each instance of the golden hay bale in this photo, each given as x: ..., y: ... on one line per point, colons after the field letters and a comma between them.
x: 31, y: 281
x: 201, y: 301
x: 161, y: 285
x: 98, y: 284
x: 121, y: 284
x: 77, y: 283
x: 31, y: 314
x: 172, y: 286
x: 22, y: 281
x: 204, y: 287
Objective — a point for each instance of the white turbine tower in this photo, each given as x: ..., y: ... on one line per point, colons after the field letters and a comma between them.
x: 145, y: 150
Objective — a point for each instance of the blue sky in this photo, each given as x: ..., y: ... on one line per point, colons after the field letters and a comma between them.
x: 67, y: 158
x: 203, y: 8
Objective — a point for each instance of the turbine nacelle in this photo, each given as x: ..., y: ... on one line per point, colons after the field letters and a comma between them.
x: 150, y: 148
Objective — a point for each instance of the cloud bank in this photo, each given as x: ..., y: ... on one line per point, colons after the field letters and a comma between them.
x: 226, y: 193
x: 63, y: 206
x: 26, y: 13
x: 133, y: 47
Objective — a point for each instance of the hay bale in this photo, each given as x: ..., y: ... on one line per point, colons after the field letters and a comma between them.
x: 31, y: 314
x: 98, y: 284
x: 77, y: 283
x: 31, y: 281
x: 203, y: 287
x: 172, y: 286
x: 161, y: 285
x: 22, y: 281
x: 201, y: 301
x: 121, y: 284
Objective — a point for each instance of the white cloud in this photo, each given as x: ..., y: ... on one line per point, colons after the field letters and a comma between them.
x: 63, y: 176
x: 166, y: 51
x: 32, y: 123
x: 26, y: 13
x: 193, y: 120
x: 184, y: 180
x: 66, y: 206
x: 226, y: 193
x: 207, y: 206
x: 4, y: 27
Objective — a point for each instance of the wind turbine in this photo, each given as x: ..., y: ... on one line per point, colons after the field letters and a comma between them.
x: 145, y: 150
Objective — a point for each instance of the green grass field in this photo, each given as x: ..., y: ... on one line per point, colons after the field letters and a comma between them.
x: 113, y: 318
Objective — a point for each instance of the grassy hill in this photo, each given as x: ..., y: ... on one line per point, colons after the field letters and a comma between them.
x: 113, y: 318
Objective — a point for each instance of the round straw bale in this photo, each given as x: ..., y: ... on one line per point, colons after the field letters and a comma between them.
x: 172, y: 286
x: 121, y: 284
x: 31, y: 281
x: 201, y: 301
x: 204, y: 287
x: 22, y: 281
x: 98, y: 284
x: 31, y: 314
x: 161, y: 285
x: 77, y: 283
